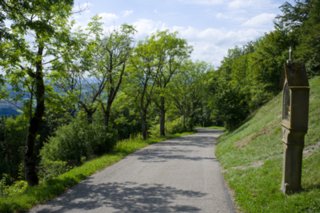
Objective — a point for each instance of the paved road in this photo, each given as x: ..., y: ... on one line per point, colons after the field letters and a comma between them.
x: 178, y: 175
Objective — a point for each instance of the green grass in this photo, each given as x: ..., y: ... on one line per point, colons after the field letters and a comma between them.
x: 47, y: 190
x: 216, y: 127
x: 252, y: 160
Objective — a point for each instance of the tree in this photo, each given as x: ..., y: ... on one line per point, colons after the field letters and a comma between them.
x: 145, y: 68
x: 94, y: 70
x: 230, y: 105
x: 301, y: 22
x: 116, y: 50
x: 35, y: 29
x: 187, y: 92
x: 171, y: 52
x: 91, y: 80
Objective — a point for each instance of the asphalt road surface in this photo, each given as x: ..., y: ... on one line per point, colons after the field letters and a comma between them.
x: 178, y: 175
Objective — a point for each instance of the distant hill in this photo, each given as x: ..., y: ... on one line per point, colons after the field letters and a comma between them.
x: 7, y: 109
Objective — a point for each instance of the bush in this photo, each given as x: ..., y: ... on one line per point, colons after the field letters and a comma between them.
x: 172, y: 127
x: 17, y: 187
x: 231, y: 107
x: 50, y: 169
x: 13, y: 132
x: 73, y: 143
x: 175, y: 126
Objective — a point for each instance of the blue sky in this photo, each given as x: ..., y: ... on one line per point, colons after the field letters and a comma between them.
x: 210, y: 26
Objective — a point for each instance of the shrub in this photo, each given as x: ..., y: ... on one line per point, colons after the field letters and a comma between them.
x: 13, y: 133
x: 172, y: 127
x: 73, y: 143
x: 175, y: 126
x: 231, y: 107
x: 17, y: 187
x: 50, y: 169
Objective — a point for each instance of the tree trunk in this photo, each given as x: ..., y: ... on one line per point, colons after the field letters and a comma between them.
x: 89, y: 116
x: 30, y: 158
x: 144, y: 124
x: 107, y: 113
x: 162, y: 116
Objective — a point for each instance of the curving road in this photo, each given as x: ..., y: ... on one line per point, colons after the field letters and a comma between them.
x: 178, y: 175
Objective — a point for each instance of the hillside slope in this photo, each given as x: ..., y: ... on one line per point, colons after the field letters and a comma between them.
x: 252, y: 160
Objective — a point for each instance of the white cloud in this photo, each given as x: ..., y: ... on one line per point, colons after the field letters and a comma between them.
x: 108, y: 17
x: 249, y: 19
x: 259, y: 20
x: 212, y: 44
x: 146, y: 27
x: 237, y: 4
x: 203, y: 2
x: 127, y: 13
x: 254, y: 4
x: 222, y: 16
x: 209, y: 44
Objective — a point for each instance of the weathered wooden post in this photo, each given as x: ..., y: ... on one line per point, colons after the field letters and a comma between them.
x: 294, y: 124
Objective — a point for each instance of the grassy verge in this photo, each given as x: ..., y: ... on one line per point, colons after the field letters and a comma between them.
x: 212, y: 127
x: 47, y: 190
x: 252, y: 160
x: 216, y: 127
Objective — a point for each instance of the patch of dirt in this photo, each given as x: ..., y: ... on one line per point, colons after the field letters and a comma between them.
x: 246, y: 140
x: 255, y: 164
x: 307, y: 151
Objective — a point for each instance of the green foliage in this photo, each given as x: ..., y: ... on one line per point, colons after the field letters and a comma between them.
x: 172, y: 51
x: 251, y: 75
x: 12, y: 140
x: 74, y: 142
x: 252, y: 159
x: 301, y: 21
x: 229, y: 105
x: 173, y: 127
x: 17, y: 188
x: 124, y: 117
x: 187, y: 94
x: 52, y: 168
x: 176, y: 126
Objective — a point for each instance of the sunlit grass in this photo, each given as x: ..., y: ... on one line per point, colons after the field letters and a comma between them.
x: 252, y: 160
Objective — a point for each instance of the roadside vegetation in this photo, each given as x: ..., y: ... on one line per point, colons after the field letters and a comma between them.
x: 251, y: 153
x: 79, y: 91
x: 252, y: 157
x: 21, y: 197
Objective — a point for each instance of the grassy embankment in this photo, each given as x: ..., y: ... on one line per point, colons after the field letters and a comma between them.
x: 252, y: 160
x: 47, y: 190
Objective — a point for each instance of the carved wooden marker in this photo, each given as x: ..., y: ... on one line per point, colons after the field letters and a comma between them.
x: 294, y: 124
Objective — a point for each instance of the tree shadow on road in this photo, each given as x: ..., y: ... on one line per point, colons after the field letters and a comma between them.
x: 123, y: 198
x: 179, y: 148
x: 164, y: 155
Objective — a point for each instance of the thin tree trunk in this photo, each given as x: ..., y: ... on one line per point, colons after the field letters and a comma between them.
x: 35, y: 124
x: 144, y: 124
x: 184, y: 122
x: 89, y: 116
x: 107, y: 114
x: 162, y: 117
